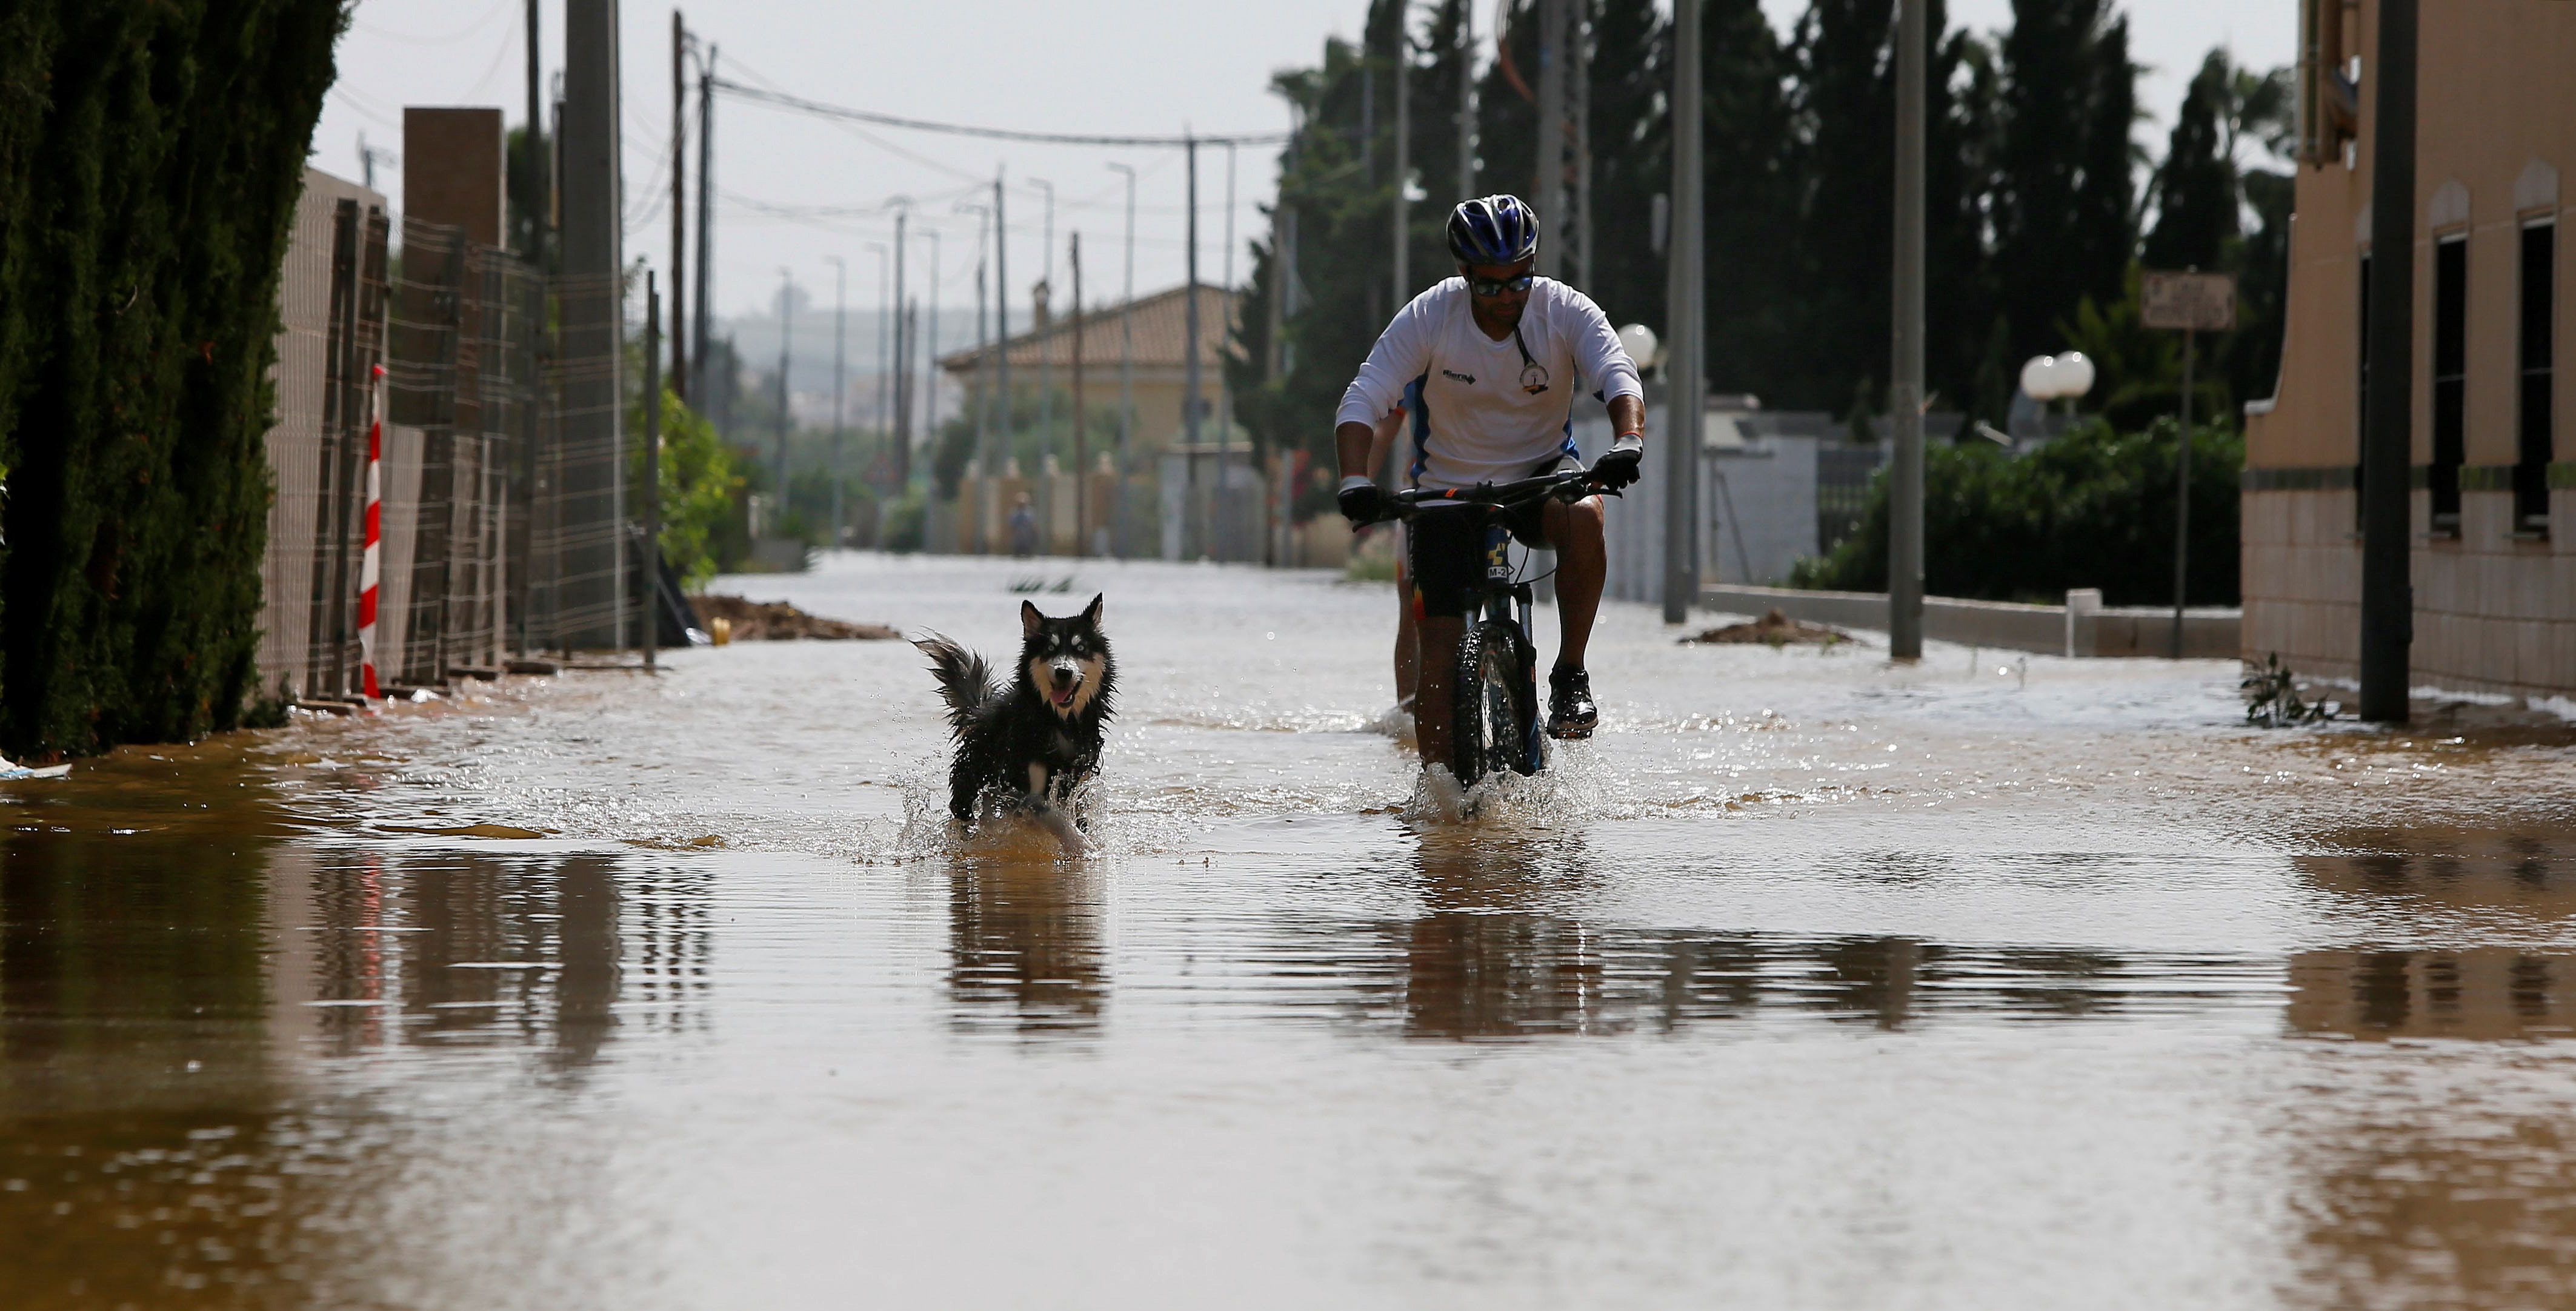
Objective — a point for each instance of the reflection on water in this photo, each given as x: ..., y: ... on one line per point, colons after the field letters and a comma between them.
x: 1024, y: 947
x: 1803, y: 965
x: 165, y: 999
x: 447, y: 948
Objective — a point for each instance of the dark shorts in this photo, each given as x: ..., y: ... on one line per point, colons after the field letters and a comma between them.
x: 1446, y: 551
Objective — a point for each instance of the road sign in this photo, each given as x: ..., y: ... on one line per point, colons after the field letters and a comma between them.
x: 2188, y: 302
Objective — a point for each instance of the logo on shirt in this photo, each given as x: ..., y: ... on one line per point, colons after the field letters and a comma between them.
x: 1467, y: 378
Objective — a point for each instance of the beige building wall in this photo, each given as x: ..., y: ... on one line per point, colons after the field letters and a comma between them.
x: 2495, y: 600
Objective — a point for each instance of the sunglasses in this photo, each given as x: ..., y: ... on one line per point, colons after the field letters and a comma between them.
x: 1489, y: 288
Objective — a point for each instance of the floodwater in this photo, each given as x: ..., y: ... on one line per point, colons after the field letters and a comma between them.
x: 1812, y: 982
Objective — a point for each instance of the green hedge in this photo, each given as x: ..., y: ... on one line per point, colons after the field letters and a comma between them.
x: 2094, y: 508
x: 151, y: 153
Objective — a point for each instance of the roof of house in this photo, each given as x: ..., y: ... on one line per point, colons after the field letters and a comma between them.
x: 1161, y: 326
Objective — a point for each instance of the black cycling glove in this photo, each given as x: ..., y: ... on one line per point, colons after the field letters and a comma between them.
x: 1364, y: 502
x: 1618, y: 466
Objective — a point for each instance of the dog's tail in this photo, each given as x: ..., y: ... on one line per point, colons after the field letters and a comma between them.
x: 965, y: 681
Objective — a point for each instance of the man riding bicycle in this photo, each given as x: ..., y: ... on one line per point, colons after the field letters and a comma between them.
x: 1489, y: 362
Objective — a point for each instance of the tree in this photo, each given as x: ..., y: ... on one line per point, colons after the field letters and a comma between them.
x: 1631, y: 74
x: 2062, y: 194
x: 151, y: 156
x: 1750, y: 205
x: 2195, y: 187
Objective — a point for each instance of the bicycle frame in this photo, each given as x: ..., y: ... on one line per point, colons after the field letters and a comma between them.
x: 1502, y: 599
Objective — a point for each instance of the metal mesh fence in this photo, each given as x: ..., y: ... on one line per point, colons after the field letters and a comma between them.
x: 582, y: 507
x: 503, y: 521
x: 332, y: 300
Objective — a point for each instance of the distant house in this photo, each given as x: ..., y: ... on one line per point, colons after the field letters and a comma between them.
x: 1161, y: 328
x: 2493, y: 527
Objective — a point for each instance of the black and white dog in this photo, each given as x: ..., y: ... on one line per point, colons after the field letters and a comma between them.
x: 1040, y: 737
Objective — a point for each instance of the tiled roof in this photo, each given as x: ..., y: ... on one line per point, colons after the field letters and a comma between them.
x: 1162, y: 334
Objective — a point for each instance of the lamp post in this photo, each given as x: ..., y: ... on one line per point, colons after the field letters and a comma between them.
x: 840, y: 327
x: 1126, y: 368
x: 1046, y: 355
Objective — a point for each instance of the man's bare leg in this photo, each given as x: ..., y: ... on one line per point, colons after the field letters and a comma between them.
x: 1439, y: 656
x: 1582, y: 566
x: 1408, y: 645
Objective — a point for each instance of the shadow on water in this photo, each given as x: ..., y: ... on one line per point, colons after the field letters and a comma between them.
x: 192, y: 1010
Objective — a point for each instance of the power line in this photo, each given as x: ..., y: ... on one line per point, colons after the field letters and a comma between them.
x: 821, y: 110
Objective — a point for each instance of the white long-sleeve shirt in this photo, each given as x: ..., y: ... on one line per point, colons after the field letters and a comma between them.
x: 1485, y: 414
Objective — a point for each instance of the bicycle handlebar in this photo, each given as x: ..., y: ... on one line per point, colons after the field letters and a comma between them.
x: 1567, y: 485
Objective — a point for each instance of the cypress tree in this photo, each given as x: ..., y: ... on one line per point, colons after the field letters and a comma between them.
x: 154, y: 153
x: 1750, y: 210
x: 2195, y: 187
x: 2062, y: 195
x: 1631, y: 73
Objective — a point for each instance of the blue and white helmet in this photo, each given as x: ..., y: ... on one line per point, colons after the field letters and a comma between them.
x: 1493, y: 230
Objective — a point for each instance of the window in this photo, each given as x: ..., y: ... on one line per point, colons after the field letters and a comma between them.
x: 2361, y: 411
x: 2538, y: 440
x: 2450, y: 376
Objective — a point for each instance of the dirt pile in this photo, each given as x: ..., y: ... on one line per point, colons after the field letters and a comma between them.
x: 777, y: 621
x: 1775, y: 629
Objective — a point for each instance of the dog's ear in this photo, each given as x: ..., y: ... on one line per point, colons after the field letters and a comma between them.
x: 1030, y: 619
x: 1091, y: 613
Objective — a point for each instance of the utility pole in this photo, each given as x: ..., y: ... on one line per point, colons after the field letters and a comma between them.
x: 679, y: 205
x: 1403, y: 163
x: 885, y: 341
x: 1905, y: 372
x: 1551, y: 138
x: 651, y: 628
x: 930, y: 373
x: 1045, y: 298
x: 983, y: 397
x: 1685, y: 294
x: 786, y: 325
x: 706, y: 221
x: 593, y: 482
x: 541, y: 208
x: 2387, y: 447
x: 1126, y: 365
x: 1224, y: 387
x: 1190, y: 313
x: 840, y: 362
x: 1081, y: 435
x: 899, y: 457
x: 2182, y: 489
x: 1002, y: 327
x: 1466, y: 101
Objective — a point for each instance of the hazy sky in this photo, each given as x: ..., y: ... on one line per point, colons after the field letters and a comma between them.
x: 1100, y: 66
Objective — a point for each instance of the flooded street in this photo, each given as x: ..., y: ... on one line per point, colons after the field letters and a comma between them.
x: 1997, y: 981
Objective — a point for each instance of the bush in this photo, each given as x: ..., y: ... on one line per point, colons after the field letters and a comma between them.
x: 2094, y: 508
x: 906, y: 523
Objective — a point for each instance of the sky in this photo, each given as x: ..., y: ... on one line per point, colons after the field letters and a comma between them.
x: 794, y: 190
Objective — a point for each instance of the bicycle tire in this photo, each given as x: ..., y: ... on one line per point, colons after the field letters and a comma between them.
x: 1489, y: 709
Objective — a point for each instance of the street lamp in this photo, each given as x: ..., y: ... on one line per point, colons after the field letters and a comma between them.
x: 1642, y: 346
x: 2057, y: 377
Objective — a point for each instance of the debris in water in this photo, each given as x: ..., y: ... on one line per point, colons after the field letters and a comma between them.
x: 469, y: 831
x: 8, y: 770
x: 2272, y: 697
x: 1775, y: 630
x: 777, y: 621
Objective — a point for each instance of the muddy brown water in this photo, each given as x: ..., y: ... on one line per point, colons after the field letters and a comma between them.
x: 1811, y: 982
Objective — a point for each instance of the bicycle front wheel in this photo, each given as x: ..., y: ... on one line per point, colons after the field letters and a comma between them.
x: 1490, y: 705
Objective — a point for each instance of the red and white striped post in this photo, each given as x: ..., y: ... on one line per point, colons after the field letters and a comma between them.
x: 369, y: 569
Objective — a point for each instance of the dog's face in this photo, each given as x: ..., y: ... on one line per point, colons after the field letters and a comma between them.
x: 1064, y: 658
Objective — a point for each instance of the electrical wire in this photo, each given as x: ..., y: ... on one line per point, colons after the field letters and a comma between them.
x: 821, y: 110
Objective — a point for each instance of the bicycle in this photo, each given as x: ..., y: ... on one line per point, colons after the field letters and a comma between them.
x: 1493, y: 706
